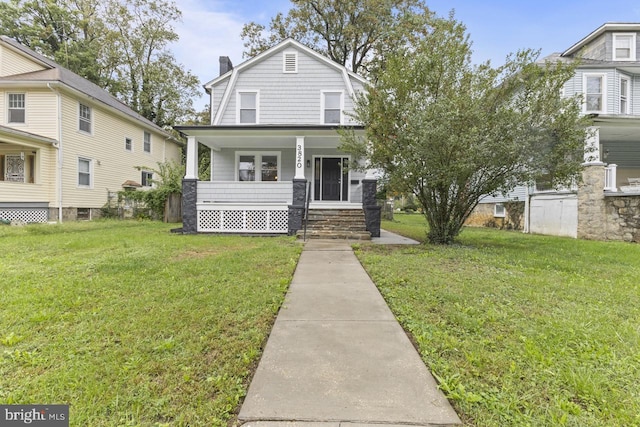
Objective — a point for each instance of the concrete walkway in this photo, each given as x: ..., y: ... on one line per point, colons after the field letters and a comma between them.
x: 336, y: 354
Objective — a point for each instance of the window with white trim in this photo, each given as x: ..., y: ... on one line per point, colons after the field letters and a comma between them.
x: 290, y: 62
x: 17, y: 108
x: 499, y: 210
x: 146, y: 142
x: 248, y: 107
x: 331, y: 107
x: 147, y: 179
x: 84, y: 118
x: 84, y: 172
x: 594, y: 93
x: 128, y: 144
x: 624, y: 47
x: 624, y: 95
x: 252, y: 166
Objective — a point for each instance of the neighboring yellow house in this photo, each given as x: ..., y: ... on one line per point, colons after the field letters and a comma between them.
x: 65, y: 143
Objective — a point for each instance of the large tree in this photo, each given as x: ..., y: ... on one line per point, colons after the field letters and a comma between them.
x: 351, y: 32
x: 120, y: 45
x: 450, y: 132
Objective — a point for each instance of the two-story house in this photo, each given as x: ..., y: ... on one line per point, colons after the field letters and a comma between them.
x: 65, y: 143
x: 606, y: 205
x: 274, y: 145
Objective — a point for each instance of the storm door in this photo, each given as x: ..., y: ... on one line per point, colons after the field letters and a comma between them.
x: 331, y: 179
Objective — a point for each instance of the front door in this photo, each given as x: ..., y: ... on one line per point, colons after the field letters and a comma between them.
x: 331, y: 179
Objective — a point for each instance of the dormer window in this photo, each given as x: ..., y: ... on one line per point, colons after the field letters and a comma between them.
x: 290, y: 62
x: 624, y: 47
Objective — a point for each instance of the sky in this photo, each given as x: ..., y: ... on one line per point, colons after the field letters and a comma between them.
x: 211, y: 28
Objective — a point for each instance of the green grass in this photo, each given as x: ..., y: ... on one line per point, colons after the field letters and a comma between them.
x: 520, y: 330
x: 132, y: 325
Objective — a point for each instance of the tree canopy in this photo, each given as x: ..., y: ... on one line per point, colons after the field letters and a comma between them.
x: 120, y: 45
x: 351, y: 32
x: 451, y: 132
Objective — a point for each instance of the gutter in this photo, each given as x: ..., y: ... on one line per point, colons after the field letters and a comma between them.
x: 60, y: 151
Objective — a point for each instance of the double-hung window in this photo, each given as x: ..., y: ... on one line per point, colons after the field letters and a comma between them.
x: 84, y: 118
x: 624, y: 47
x: 128, y: 144
x: 84, y: 172
x: 248, y: 107
x: 147, y: 179
x: 146, y: 144
x: 331, y: 107
x: 17, y: 108
x: 258, y: 166
x: 595, y: 93
x: 624, y: 95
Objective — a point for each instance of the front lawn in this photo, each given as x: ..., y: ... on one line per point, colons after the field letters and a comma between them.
x: 132, y: 325
x: 520, y: 330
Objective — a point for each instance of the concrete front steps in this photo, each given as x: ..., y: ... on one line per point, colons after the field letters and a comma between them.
x: 336, y: 224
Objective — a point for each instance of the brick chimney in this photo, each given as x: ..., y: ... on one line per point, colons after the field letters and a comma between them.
x: 225, y: 65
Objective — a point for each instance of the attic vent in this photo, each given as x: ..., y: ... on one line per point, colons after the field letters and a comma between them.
x: 290, y: 63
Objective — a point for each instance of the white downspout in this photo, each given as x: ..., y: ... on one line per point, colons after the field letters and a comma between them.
x: 60, y: 153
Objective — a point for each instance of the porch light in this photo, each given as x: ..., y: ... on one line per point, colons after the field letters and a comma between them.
x: 308, y: 163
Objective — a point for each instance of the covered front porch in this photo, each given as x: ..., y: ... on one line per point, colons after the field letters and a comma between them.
x: 27, y: 175
x: 263, y: 178
x: 616, y: 145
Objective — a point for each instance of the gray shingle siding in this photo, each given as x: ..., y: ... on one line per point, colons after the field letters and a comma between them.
x: 287, y: 98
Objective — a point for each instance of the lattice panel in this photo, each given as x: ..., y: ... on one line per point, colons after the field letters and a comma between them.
x: 257, y: 220
x: 25, y: 215
x: 233, y: 221
x: 243, y: 221
x: 209, y: 220
x: 279, y: 221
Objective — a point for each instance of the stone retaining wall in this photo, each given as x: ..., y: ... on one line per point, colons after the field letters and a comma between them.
x: 623, y: 218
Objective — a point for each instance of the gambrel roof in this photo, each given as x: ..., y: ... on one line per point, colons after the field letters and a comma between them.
x: 609, y: 26
x: 231, y: 77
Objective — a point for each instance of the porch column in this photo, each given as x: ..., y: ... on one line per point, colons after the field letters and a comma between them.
x: 190, y: 189
x: 592, y: 219
x: 299, y: 158
x: 192, y: 158
x: 592, y: 146
x: 372, y: 212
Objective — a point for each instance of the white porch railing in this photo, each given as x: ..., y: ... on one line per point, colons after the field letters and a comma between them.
x: 610, y: 177
x: 244, y: 207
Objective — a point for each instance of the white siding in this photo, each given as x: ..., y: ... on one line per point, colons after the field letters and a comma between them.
x: 13, y: 63
x: 519, y: 193
x: 287, y: 98
x: 40, y: 112
x: 105, y: 147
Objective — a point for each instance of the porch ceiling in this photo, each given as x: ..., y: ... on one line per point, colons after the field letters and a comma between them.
x: 217, y: 137
x: 619, y: 129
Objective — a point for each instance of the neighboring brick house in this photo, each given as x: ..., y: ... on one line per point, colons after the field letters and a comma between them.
x: 65, y: 143
x: 273, y: 131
